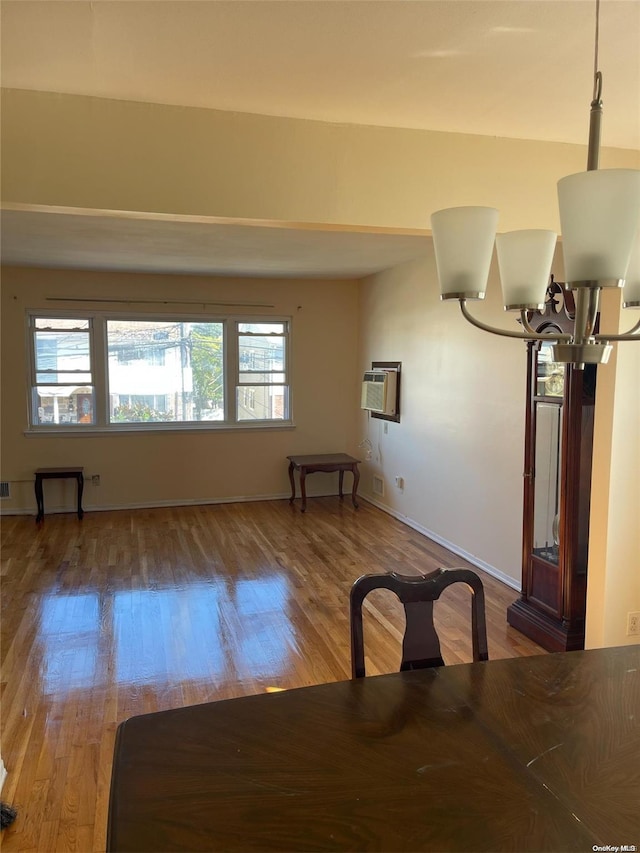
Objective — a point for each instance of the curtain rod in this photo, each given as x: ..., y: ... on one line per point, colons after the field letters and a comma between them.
x: 160, y: 302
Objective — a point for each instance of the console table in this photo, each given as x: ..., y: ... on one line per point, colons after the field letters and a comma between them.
x: 327, y: 462
x: 54, y: 474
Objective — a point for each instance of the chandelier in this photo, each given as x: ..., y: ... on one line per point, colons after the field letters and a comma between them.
x: 600, y: 224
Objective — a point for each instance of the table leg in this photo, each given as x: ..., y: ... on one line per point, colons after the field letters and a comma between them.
x: 39, y: 499
x: 356, y: 480
x: 293, y: 483
x: 303, y: 490
x: 80, y: 490
x: 340, y: 479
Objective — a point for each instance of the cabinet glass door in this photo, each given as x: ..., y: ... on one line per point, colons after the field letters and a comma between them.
x: 550, y: 374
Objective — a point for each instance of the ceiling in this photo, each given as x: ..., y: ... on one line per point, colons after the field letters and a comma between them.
x: 512, y: 68
x: 144, y: 242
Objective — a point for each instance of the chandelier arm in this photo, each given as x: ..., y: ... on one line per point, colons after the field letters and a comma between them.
x: 627, y: 336
x: 523, y: 336
x: 524, y: 320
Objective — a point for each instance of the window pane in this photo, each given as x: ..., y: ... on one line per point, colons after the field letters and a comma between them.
x: 62, y: 351
x: 260, y: 353
x: 79, y: 378
x: 49, y: 323
x: 262, y: 402
x: 262, y: 328
x: 163, y: 370
x: 207, y: 357
x: 59, y: 405
x: 255, y: 378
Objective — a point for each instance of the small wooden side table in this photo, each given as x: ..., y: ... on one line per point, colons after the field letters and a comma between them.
x: 53, y: 474
x: 327, y: 462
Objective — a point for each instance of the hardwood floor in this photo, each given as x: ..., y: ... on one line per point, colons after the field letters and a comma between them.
x: 130, y: 612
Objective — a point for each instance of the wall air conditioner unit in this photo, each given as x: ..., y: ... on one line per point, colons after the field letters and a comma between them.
x: 379, y: 391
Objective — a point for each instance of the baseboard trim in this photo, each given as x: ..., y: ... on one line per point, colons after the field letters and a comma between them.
x: 451, y: 546
x: 162, y: 504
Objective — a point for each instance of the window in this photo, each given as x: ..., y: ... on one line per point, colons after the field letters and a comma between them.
x: 112, y: 372
x: 62, y: 377
x: 150, y: 375
x: 262, y: 392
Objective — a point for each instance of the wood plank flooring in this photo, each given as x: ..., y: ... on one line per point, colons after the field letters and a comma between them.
x: 130, y: 612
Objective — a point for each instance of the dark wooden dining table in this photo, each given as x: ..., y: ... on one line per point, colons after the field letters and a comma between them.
x: 526, y: 754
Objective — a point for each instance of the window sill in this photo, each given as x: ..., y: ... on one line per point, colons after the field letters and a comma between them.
x: 146, y: 429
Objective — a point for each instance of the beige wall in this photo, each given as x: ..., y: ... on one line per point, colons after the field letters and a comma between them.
x: 614, y: 555
x: 92, y: 152
x: 168, y: 468
x: 459, y: 445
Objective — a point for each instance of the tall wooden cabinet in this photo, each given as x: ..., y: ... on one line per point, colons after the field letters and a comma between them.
x: 557, y: 488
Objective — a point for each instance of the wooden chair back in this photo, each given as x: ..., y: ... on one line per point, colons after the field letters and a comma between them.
x: 421, y: 644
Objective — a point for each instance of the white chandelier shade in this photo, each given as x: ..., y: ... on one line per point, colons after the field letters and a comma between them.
x: 599, y: 217
x: 524, y: 259
x: 463, y: 239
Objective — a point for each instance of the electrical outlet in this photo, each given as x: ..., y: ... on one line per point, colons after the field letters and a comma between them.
x: 95, y: 480
x: 633, y: 624
x: 400, y: 483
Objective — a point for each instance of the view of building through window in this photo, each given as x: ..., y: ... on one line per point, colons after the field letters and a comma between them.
x: 63, y: 391
x: 165, y: 371
x: 157, y: 371
x: 261, y: 392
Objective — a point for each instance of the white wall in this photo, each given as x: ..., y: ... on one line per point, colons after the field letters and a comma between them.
x: 459, y: 444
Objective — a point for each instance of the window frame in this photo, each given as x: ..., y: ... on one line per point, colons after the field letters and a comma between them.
x: 99, y: 370
x: 239, y: 384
